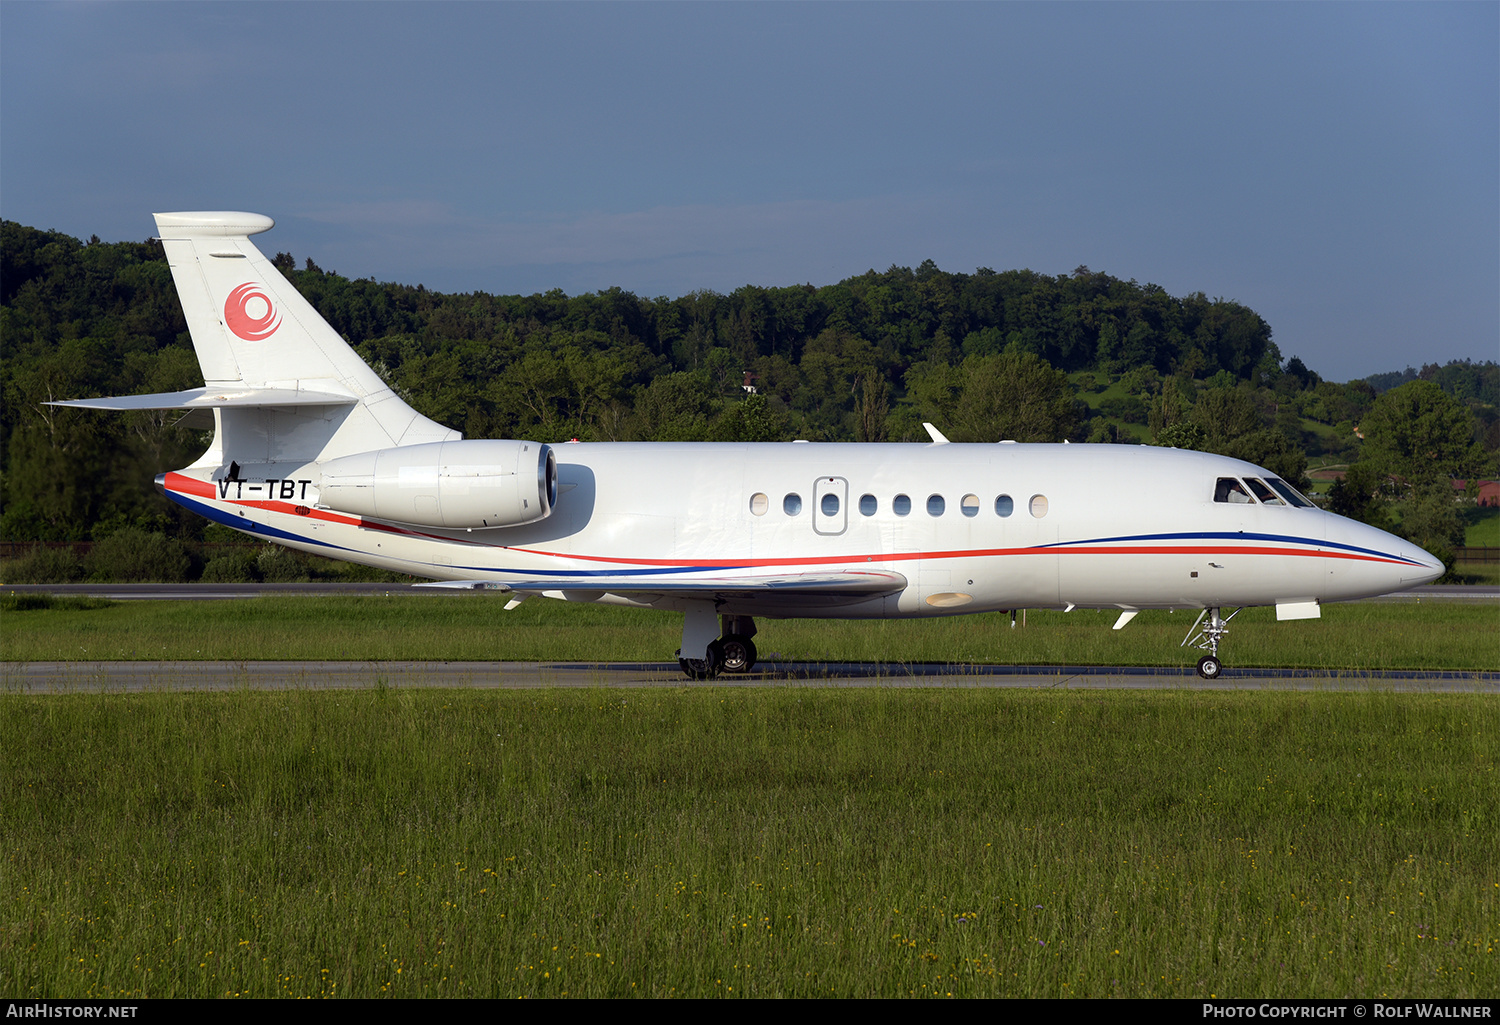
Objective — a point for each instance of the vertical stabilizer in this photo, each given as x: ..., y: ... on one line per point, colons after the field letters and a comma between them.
x: 253, y: 330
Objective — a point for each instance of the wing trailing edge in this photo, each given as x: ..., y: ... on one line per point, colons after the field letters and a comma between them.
x: 778, y: 590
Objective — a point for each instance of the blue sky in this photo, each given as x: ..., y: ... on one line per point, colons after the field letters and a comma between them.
x: 1336, y: 167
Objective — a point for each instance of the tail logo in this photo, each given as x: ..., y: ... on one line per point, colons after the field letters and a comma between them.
x: 242, y: 322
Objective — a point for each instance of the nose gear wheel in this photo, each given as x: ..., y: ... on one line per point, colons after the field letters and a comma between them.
x: 1206, y: 636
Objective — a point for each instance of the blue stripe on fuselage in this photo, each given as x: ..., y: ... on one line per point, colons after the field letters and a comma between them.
x: 245, y: 523
x: 1234, y: 535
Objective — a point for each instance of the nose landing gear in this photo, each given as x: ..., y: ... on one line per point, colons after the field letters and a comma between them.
x: 1207, y: 638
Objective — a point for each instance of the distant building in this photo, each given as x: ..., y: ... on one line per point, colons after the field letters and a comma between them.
x: 1489, y: 491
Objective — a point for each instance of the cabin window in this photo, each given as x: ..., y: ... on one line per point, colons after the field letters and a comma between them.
x: 935, y: 505
x: 791, y: 504
x: 1004, y: 506
x: 830, y: 504
x: 868, y: 505
x: 1291, y: 494
x: 1230, y: 490
x: 1265, y: 494
x: 759, y: 503
x: 901, y: 505
x: 970, y: 505
x: 1039, y: 506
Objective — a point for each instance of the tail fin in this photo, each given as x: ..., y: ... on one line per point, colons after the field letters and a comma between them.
x: 283, y: 386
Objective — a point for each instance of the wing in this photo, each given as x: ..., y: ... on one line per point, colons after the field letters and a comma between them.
x: 787, y: 592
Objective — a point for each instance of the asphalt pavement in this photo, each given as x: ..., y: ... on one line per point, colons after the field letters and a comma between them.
x: 113, y: 677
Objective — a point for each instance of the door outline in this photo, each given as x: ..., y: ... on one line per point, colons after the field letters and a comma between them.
x: 839, y: 521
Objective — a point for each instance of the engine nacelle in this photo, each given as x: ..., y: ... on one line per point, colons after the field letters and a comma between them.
x: 445, y: 483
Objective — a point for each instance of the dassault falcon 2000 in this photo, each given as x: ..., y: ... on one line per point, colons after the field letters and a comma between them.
x: 311, y: 449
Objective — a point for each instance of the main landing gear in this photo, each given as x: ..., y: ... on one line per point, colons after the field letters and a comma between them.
x: 1207, y: 638
x: 733, y: 652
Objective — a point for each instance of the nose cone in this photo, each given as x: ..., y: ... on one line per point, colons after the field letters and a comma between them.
x: 1363, y: 561
x: 1429, y: 567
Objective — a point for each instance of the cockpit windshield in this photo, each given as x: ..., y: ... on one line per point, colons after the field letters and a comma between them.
x: 1291, y: 494
x: 1265, y: 494
x: 1234, y: 491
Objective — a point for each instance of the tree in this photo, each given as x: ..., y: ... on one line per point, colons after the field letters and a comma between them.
x: 1421, y: 435
x: 874, y: 405
x: 675, y: 407
x: 1231, y: 423
x: 757, y: 418
x: 1016, y: 396
x: 1223, y: 414
x: 1419, y: 439
x: 1360, y: 495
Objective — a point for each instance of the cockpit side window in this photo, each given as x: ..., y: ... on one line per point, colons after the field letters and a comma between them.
x: 1232, y: 491
x: 1291, y: 494
x: 1265, y: 494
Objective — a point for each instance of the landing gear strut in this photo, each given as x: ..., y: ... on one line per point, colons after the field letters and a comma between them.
x: 734, y: 652
x: 1207, y: 638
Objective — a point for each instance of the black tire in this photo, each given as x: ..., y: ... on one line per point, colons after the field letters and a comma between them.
x: 739, y: 653
x: 1210, y: 667
x: 703, y: 668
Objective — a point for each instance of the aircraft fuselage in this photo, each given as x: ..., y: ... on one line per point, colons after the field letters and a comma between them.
x: 971, y: 528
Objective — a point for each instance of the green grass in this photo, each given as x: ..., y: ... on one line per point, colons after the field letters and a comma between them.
x: 1482, y: 526
x: 762, y: 842
x: 1475, y: 573
x: 1407, y: 635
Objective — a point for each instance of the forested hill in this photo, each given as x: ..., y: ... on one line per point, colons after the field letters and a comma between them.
x: 1012, y: 354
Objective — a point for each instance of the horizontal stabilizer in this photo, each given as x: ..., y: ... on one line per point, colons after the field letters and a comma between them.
x: 215, y: 398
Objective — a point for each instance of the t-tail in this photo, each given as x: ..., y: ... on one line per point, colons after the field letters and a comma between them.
x: 293, y: 402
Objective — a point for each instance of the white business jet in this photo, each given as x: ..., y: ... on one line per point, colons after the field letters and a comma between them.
x: 312, y: 450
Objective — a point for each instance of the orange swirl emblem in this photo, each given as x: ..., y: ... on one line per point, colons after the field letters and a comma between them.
x: 242, y: 322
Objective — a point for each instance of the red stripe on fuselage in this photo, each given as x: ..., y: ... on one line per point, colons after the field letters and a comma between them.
x: 190, y: 485
x: 206, y: 489
x: 980, y: 553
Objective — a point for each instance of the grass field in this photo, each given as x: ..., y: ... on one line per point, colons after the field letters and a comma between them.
x: 709, y: 842
x: 748, y: 841
x: 1482, y: 526
x: 1431, y: 635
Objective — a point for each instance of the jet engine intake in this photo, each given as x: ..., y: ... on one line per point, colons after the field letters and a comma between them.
x: 455, y: 484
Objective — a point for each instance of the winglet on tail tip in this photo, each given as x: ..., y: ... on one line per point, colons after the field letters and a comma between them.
x: 211, y: 224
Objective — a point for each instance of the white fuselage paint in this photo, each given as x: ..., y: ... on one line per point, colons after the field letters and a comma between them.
x: 1124, y: 526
